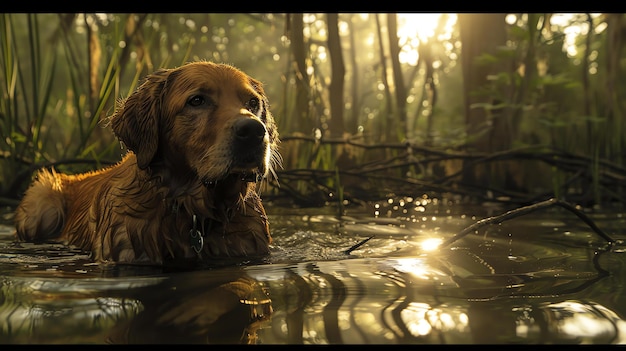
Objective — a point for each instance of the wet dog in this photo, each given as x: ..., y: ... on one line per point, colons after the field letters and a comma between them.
x: 200, y: 137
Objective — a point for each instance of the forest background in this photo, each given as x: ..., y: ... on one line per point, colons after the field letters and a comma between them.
x: 495, y: 107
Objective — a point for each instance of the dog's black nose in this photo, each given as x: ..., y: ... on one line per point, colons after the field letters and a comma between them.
x: 249, y: 131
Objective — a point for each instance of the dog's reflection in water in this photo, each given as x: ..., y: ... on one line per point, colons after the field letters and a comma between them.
x: 198, y: 308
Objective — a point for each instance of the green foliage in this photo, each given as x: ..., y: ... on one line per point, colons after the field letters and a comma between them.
x: 26, y: 96
x: 62, y: 74
x: 546, y: 104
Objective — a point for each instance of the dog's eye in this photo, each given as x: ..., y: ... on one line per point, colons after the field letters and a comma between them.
x: 253, y: 105
x: 198, y: 100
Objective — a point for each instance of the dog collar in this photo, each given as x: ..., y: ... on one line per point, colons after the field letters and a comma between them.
x: 196, y: 237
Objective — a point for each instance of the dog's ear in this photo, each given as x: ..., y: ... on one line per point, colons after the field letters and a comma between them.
x: 136, y: 121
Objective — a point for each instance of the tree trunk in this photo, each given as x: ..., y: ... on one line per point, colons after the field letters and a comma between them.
x: 335, y: 90
x: 616, y: 125
x: 486, y: 129
x: 615, y: 116
x: 398, y: 80
x: 387, y: 123
x: 352, y: 124
x: 302, y: 116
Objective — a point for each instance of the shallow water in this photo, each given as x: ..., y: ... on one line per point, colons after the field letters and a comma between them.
x: 545, y: 277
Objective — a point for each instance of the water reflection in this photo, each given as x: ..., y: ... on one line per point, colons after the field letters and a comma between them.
x: 526, y: 282
x: 408, y: 300
x: 197, y: 308
x: 424, y: 312
x: 193, y: 307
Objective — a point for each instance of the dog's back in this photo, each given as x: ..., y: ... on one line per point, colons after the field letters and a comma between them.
x: 41, y: 214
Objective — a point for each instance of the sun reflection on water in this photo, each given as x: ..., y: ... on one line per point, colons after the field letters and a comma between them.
x: 421, y: 319
x: 431, y: 244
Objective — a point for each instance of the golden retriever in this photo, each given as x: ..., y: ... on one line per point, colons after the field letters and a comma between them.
x: 200, y: 138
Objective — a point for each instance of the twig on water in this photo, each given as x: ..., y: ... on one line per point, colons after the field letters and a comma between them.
x: 525, y: 210
x: 357, y: 245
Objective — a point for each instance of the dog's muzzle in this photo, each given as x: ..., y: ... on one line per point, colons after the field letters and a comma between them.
x: 250, y: 148
x: 250, y: 152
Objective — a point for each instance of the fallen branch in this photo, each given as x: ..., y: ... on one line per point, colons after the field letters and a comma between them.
x: 525, y: 210
x: 357, y: 245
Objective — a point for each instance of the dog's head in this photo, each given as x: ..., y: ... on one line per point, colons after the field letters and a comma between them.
x: 211, y: 119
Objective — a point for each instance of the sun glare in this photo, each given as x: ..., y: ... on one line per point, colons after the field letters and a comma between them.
x: 417, y: 25
x: 431, y: 244
x: 414, y: 28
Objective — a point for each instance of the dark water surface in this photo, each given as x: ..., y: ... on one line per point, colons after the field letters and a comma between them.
x: 545, y: 277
